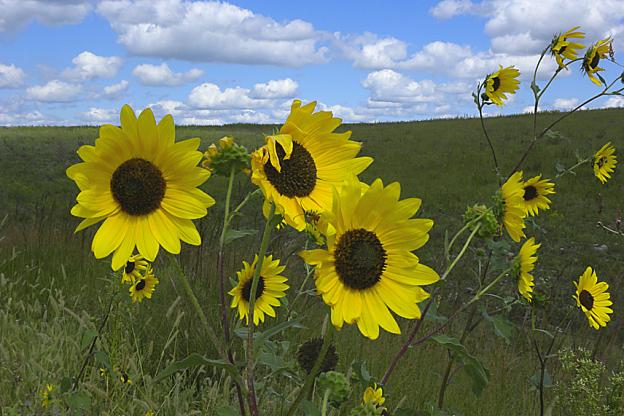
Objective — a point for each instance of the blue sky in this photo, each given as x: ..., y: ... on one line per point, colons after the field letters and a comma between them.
x: 67, y: 62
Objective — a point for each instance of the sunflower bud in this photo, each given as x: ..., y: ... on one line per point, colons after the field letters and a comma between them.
x: 337, y: 384
x: 309, y: 351
x: 481, y: 215
x: 229, y: 155
x: 368, y: 409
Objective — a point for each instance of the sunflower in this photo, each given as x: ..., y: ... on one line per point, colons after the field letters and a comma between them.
x: 593, y: 299
x: 144, y: 287
x: 374, y: 395
x: 298, y: 168
x: 501, y: 82
x: 133, y: 268
x: 525, y: 262
x: 535, y: 197
x: 562, y: 48
x: 143, y: 185
x: 271, y: 287
x: 594, y: 54
x: 604, y: 162
x: 511, y: 202
x: 369, y: 266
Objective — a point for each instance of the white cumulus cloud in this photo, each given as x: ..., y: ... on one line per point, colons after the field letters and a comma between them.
x: 17, y: 13
x: 54, y: 91
x: 211, y: 31
x: 100, y: 115
x: 163, y: 75
x: 281, y: 88
x: 88, y: 65
x: 565, y: 104
x: 116, y: 90
x: 11, y: 76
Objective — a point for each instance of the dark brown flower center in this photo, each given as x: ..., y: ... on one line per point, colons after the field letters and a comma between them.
x: 594, y: 62
x: 360, y: 259
x: 602, y: 161
x: 140, y: 285
x: 530, y: 192
x: 129, y: 267
x: 562, y: 49
x: 495, y: 83
x: 138, y: 186
x: 298, y: 175
x: 586, y: 299
x: 259, y: 288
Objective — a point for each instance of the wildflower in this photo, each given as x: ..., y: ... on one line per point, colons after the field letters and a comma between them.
x: 143, y: 185
x: 604, y: 162
x: 308, y: 354
x: 144, y: 287
x: 133, y: 268
x: 525, y: 263
x: 46, y: 395
x: 229, y: 155
x: 594, y: 54
x: 536, y: 191
x: 124, y: 378
x: 369, y: 266
x: 501, y: 82
x: 509, y: 206
x: 593, y: 299
x: 271, y: 287
x: 562, y: 48
x: 298, y: 168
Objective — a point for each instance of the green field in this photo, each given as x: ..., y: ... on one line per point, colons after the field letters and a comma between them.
x: 53, y: 291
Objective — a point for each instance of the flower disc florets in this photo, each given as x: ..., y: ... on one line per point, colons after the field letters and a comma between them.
x: 227, y: 156
x: 308, y: 354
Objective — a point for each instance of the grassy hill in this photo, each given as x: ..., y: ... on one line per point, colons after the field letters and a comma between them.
x: 54, y: 289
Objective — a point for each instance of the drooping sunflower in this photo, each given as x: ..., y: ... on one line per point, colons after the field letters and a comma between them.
x: 504, y: 81
x: 536, y: 191
x: 604, y: 162
x: 510, y: 207
x: 525, y: 264
x: 594, y: 54
x: 143, y: 185
x: 368, y: 267
x: 593, y: 299
x: 144, y: 287
x: 562, y: 48
x: 298, y: 168
x: 133, y: 268
x: 271, y: 287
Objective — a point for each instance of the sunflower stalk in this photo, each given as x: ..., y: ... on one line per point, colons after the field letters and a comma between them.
x: 309, y: 381
x: 487, y: 136
x: 266, y: 235
x: 224, y: 315
x: 604, y: 92
x: 571, y: 168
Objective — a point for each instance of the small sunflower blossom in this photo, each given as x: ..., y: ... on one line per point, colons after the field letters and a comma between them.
x: 124, y: 378
x: 135, y: 265
x: 143, y: 185
x: 604, y: 162
x: 594, y: 54
x: 299, y: 166
x: 271, y: 287
x: 524, y: 265
x: 368, y: 268
x: 374, y: 395
x: 593, y: 299
x: 509, y: 206
x: 562, y: 48
x: 46, y: 395
x: 536, y: 191
x: 144, y: 287
x: 504, y: 81
x: 229, y: 155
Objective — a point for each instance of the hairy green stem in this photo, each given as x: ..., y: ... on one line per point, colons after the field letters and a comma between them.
x: 266, y: 235
x: 487, y: 136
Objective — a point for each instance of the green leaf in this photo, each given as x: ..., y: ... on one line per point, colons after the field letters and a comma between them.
x: 227, y: 411
x: 66, y: 384
x: 102, y: 358
x: 472, y: 366
x: 262, y: 337
x: 79, y: 401
x: 535, y: 87
x: 361, y: 372
x: 87, y: 338
x: 433, y: 315
x: 231, y: 235
x: 310, y: 409
x: 195, y: 360
x: 535, y: 380
x: 503, y: 327
x: 272, y: 360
